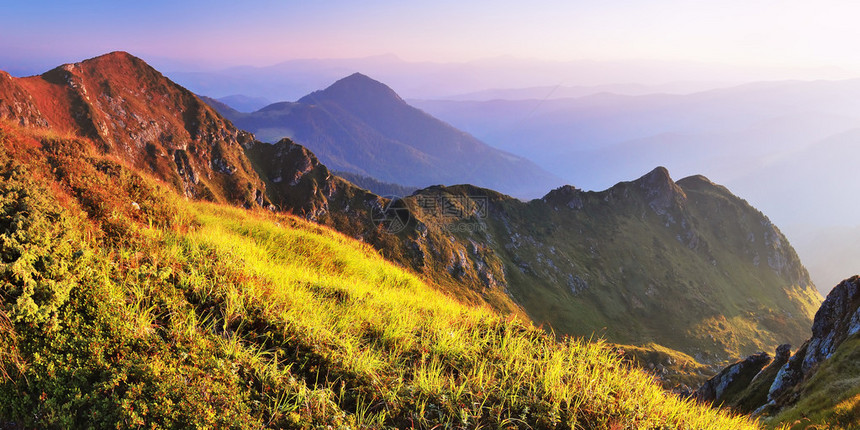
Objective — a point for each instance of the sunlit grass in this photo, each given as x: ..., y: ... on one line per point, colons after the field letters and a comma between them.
x: 413, y: 352
x: 218, y: 317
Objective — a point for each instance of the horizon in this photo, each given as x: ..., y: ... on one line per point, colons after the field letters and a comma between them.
x: 764, y: 36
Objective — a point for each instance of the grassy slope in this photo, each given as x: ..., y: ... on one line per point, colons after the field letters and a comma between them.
x: 122, y: 305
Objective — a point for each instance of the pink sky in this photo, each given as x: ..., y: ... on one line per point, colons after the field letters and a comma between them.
x: 786, y: 33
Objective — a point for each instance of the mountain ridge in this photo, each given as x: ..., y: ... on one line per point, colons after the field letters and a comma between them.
x: 579, y: 261
x: 123, y: 303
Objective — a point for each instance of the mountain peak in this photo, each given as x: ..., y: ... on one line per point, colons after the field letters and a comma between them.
x: 114, y: 56
x: 356, y: 88
x: 108, y: 62
x: 660, y: 190
x: 358, y: 76
x: 658, y: 183
x: 131, y: 110
x: 660, y: 175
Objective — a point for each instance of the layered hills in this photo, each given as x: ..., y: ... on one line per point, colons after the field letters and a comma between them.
x: 359, y: 125
x: 759, y: 139
x: 684, y: 265
x: 605, y: 263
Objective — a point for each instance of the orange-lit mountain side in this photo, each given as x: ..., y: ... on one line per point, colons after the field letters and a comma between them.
x: 135, y: 113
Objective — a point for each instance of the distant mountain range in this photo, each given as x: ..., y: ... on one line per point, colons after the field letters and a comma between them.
x: 292, y: 79
x: 759, y: 139
x: 244, y: 103
x: 360, y: 125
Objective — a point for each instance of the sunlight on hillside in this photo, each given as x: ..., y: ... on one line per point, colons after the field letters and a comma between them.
x: 124, y: 305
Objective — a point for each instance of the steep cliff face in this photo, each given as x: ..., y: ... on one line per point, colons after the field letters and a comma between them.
x: 299, y: 183
x: 136, y: 114
x: 17, y: 104
x: 733, y: 378
x: 817, y: 379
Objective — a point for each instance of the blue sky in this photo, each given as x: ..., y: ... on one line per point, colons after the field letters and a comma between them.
x: 791, y: 33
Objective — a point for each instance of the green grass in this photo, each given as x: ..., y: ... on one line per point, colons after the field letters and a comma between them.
x: 183, y: 314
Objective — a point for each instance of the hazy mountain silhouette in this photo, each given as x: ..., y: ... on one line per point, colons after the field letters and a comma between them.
x: 362, y: 126
x: 243, y: 103
x: 759, y: 139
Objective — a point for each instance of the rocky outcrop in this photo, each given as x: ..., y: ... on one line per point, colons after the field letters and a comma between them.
x: 661, y: 192
x: 300, y: 184
x: 732, y: 379
x: 836, y: 320
x: 781, y: 383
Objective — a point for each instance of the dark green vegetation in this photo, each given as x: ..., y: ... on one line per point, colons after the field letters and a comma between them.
x: 123, y: 305
x: 688, y: 266
x: 360, y: 125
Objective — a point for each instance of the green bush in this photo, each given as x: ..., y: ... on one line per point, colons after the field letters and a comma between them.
x: 36, y: 249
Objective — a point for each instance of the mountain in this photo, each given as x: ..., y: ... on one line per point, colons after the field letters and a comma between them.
x: 132, y: 111
x: 566, y: 92
x: 686, y: 266
x: 816, y: 385
x: 359, y: 125
x: 291, y: 79
x: 758, y: 139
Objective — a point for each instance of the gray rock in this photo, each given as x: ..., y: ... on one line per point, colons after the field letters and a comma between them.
x: 836, y: 320
x: 732, y: 378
